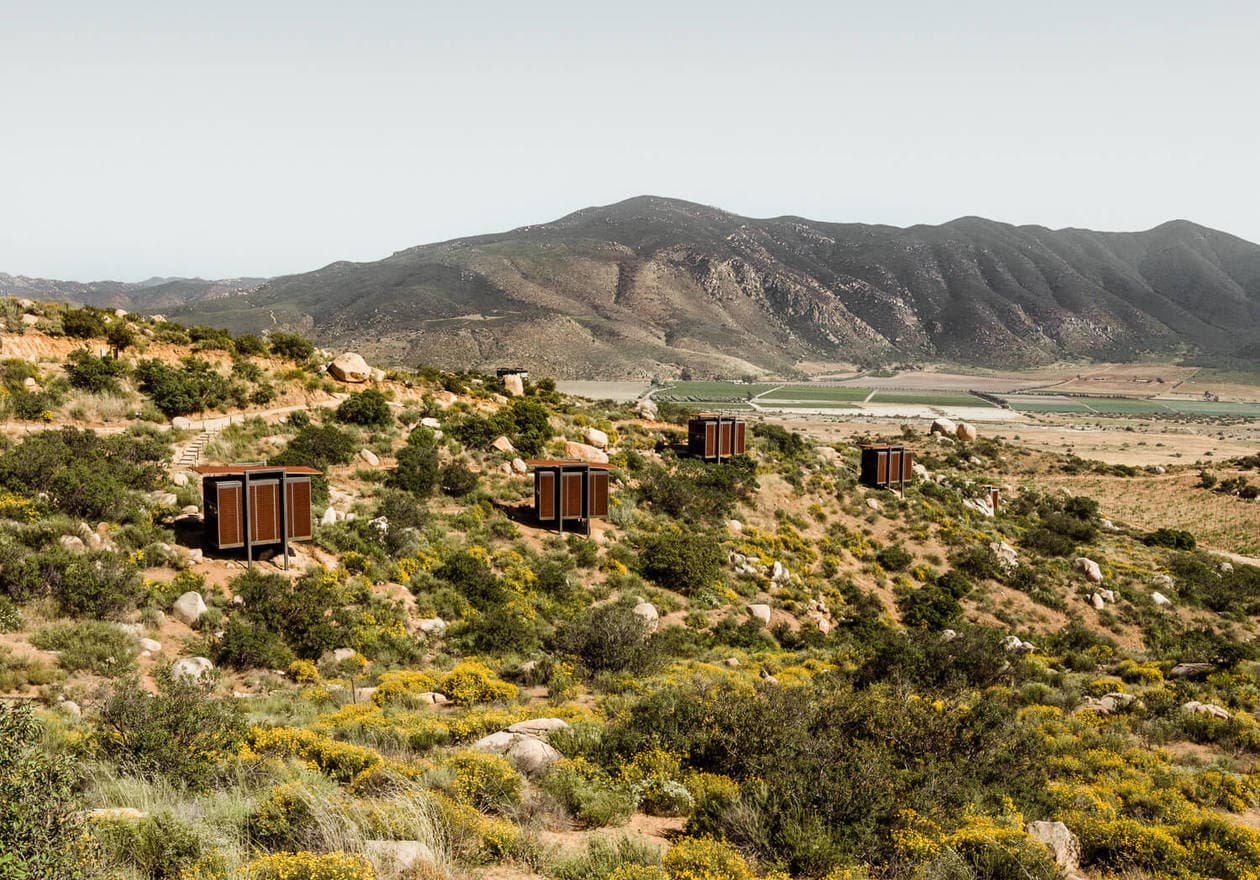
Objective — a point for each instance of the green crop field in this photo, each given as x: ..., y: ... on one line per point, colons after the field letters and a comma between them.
x: 812, y: 393
x: 804, y: 404
x: 716, y: 392
x: 929, y: 398
x: 1049, y: 406
x: 1213, y: 408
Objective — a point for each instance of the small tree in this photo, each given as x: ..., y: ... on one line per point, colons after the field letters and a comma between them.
x: 292, y: 346
x: 368, y: 408
x: 182, y: 731
x: 417, y: 471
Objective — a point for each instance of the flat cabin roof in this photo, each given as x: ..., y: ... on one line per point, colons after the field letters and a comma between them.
x: 565, y: 462
x: 231, y: 470
x: 885, y: 446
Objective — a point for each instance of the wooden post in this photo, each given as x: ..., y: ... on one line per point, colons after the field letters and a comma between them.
x: 284, y: 517
x: 249, y: 544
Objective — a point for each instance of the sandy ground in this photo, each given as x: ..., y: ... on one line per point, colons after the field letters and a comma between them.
x: 618, y: 392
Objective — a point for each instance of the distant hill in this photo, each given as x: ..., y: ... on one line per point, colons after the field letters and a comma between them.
x: 654, y: 286
x: 152, y: 295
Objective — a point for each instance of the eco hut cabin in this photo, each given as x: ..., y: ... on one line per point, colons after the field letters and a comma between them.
x: 256, y: 505
x: 569, y: 491
x: 886, y: 466
x: 713, y: 437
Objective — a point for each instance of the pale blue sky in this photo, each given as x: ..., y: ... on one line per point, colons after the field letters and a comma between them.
x: 232, y: 138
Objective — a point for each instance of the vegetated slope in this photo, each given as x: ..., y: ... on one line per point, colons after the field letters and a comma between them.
x: 151, y: 295
x: 654, y: 286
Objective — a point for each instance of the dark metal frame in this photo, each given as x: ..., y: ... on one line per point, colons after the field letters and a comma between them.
x: 254, y: 475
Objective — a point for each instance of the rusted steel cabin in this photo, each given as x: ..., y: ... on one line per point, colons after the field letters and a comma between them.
x: 256, y: 505
x: 569, y: 491
x: 714, y: 437
x: 886, y: 466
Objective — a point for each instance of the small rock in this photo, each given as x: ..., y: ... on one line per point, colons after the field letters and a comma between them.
x: 191, y: 668
x: 827, y: 454
x: 503, y: 444
x: 514, y: 385
x: 180, y: 479
x: 329, y: 517
x: 153, y: 646
x: 1160, y: 599
x: 732, y: 662
x: 70, y: 709
x: 1088, y: 567
x: 1226, y: 567
x: 350, y: 367
x: 1191, y: 670
x: 1162, y: 581
x: 1211, y: 709
x: 920, y: 470
x: 431, y: 626
x: 189, y: 607
x: 538, y: 726
x: 1007, y: 558
x: 965, y: 431
x: 596, y: 438
x: 1098, y: 601
x: 189, y: 510
x: 431, y: 423
x: 72, y: 543
x: 341, y: 654
x: 518, y: 465
x: 943, y: 427
x: 648, y: 612
x: 584, y: 452
x: 760, y: 611
x: 873, y: 503
x: 1061, y: 842
x: 735, y: 526
x: 370, y: 457
x: 1108, y: 595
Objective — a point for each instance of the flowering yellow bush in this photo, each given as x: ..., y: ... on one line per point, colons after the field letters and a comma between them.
x: 309, y: 866
x: 630, y: 871
x: 303, y: 671
x: 487, y: 782
x: 16, y: 507
x: 703, y: 858
x: 341, y: 761
x: 473, y: 682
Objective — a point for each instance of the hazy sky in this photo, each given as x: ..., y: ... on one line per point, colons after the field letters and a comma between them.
x: 234, y: 138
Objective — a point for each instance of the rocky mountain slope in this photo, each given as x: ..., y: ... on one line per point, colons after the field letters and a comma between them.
x: 151, y: 295
x: 653, y: 286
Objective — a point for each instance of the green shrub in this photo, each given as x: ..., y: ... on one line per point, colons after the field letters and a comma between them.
x: 457, y: 480
x: 97, y: 375
x: 250, y: 345
x: 84, y: 323
x: 195, y: 387
x: 10, y: 615
x: 625, y: 857
x: 42, y: 832
x: 417, y: 471
x: 682, y: 560
x: 98, y: 583
x: 291, y: 346
x: 1178, y: 539
x: 91, y: 645
x: 696, y: 491
x: 588, y: 794
x: 182, y: 732
x: 894, y: 558
x: 158, y: 846
x: 368, y: 408
x: 319, y: 447
x: 609, y: 637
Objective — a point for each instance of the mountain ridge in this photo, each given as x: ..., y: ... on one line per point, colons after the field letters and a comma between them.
x: 651, y: 286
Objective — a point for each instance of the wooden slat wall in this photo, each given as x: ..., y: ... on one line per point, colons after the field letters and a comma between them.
x: 264, y: 509
x: 599, y: 494
x: 298, y: 501
x: 572, y: 495
x: 545, y: 495
x: 228, y: 502
x: 740, y: 448
x: 710, y: 440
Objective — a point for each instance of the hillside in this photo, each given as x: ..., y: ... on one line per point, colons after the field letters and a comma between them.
x: 151, y: 295
x: 658, y: 287
x: 753, y: 670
